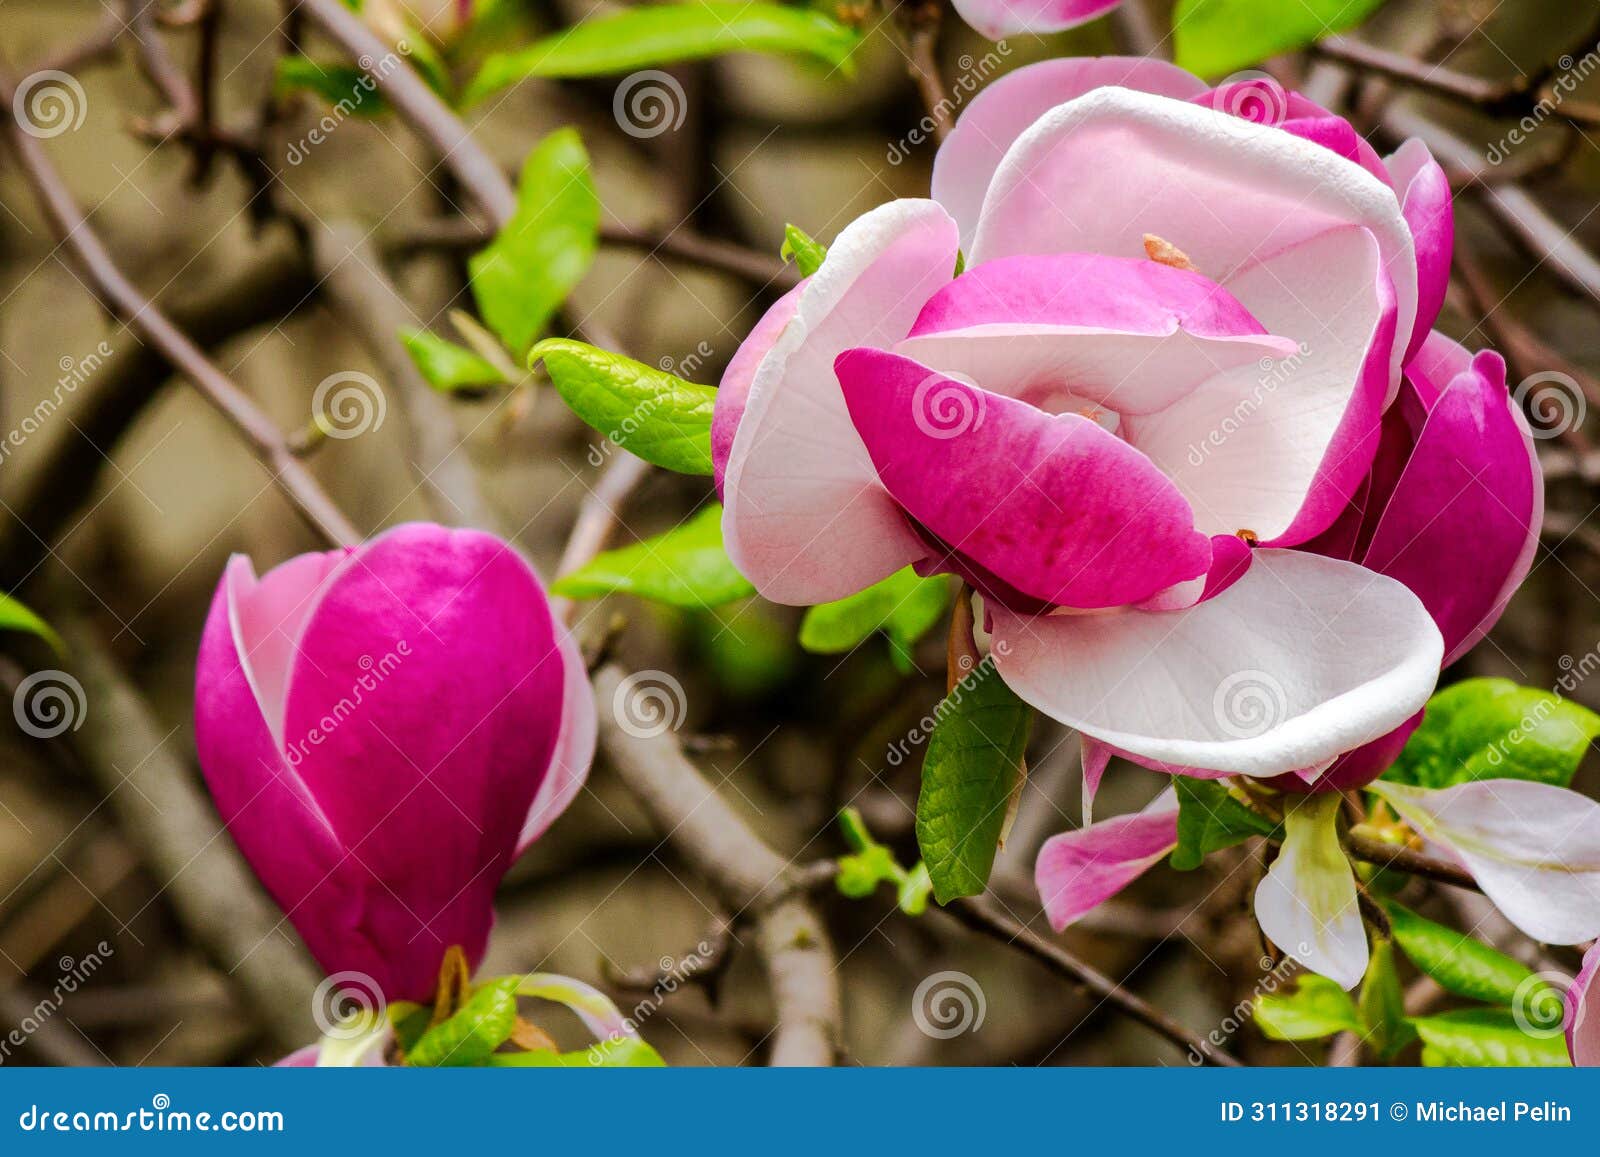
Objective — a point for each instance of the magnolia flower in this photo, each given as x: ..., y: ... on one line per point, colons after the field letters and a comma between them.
x: 997, y: 18
x: 1096, y: 439
x: 1582, y: 1020
x: 384, y: 729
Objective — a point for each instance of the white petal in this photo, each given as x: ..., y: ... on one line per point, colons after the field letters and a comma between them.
x: 1533, y: 848
x: 1302, y: 659
x: 1306, y: 903
x: 806, y: 520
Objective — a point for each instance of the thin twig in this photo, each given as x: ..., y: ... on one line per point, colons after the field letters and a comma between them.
x: 983, y: 915
x: 1370, y: 850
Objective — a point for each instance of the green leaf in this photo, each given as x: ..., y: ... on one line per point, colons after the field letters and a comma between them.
x: 798, y: 247
x: 1383, y: 1004
x: 482, y: 1024
x: 410, y: 1021
x: 973, y: 765
x: 660, y: 418
x: 869, y: 864
x: 1217, y: 37
x: 1495, y: 729
x: 903, y: 605
x: 448, y: 366
x: 685, y: 567
x: 1316, y: 1008
x: 16, y: 617
x: 640, y: 38
x: 1487, y: 1038
x: 912, y: 895
x: 624, y: 1053
x: 350, y: 90
x: 1460, y: 964
x: 526, y: 272
x: 1210, y: 819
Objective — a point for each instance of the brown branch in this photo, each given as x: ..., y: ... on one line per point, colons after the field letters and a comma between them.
x: 746, y: 874
x: 983, y: 915
x: 411, y: 97
x: 124, y: 300
x: 100, y: 45
x: 1371, y: 850
x: 1493, y: 95
x: 918, y: 21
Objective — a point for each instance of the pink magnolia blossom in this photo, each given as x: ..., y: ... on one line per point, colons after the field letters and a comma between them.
x: 1089, y: 436
x: 997, y: 18
x: 384, y: 729
x: 1582, y: 1017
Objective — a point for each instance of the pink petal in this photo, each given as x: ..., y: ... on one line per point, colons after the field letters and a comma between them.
x: 1583, y: 1016
x: 1077, y: 871
x: 967, y: 160
x: 1463, y: 522
x: 1533, y: 848
x: 1261, y: 100
x: 1438, y: 362
x: 423, y: 713
x: 1052, y: 504
x: 734, y: 390
x: 1095, y: 756
x: 1220, y: 189
x: 574, y: 752
x: 1132, y: 335
x: 806, y: 520
x: 998, y: 18
x: 1425, y: 200
x: 1279, y: 449
x: 1300, y: 660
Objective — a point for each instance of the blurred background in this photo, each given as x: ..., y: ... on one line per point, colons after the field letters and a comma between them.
x: 120, y: 509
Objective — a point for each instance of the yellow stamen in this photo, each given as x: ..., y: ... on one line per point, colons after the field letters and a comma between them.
x: 1164, y: 252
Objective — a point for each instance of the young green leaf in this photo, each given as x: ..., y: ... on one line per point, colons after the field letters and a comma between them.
x: 973, y: 764
x: 1316, y: 1008
x: 448, y: 366
x: 1495, y: 729
x: 1215, y: 37
x: 655, y: 35
x: 1487, y: 1038
x: 16, y: 617
x: 1210, y: 819
x: 912, y: 894
x: 483, y: 1024
x: 1383, y: 1004
x: 623, y: 1053
x: 869, y: 862
x: 685, y: 567
x: 903, y: 605
x: 521, y: 278
x: 1459, y: 963
x: 660, y: 418
x: 348, y: 89
x: 798, y: 247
